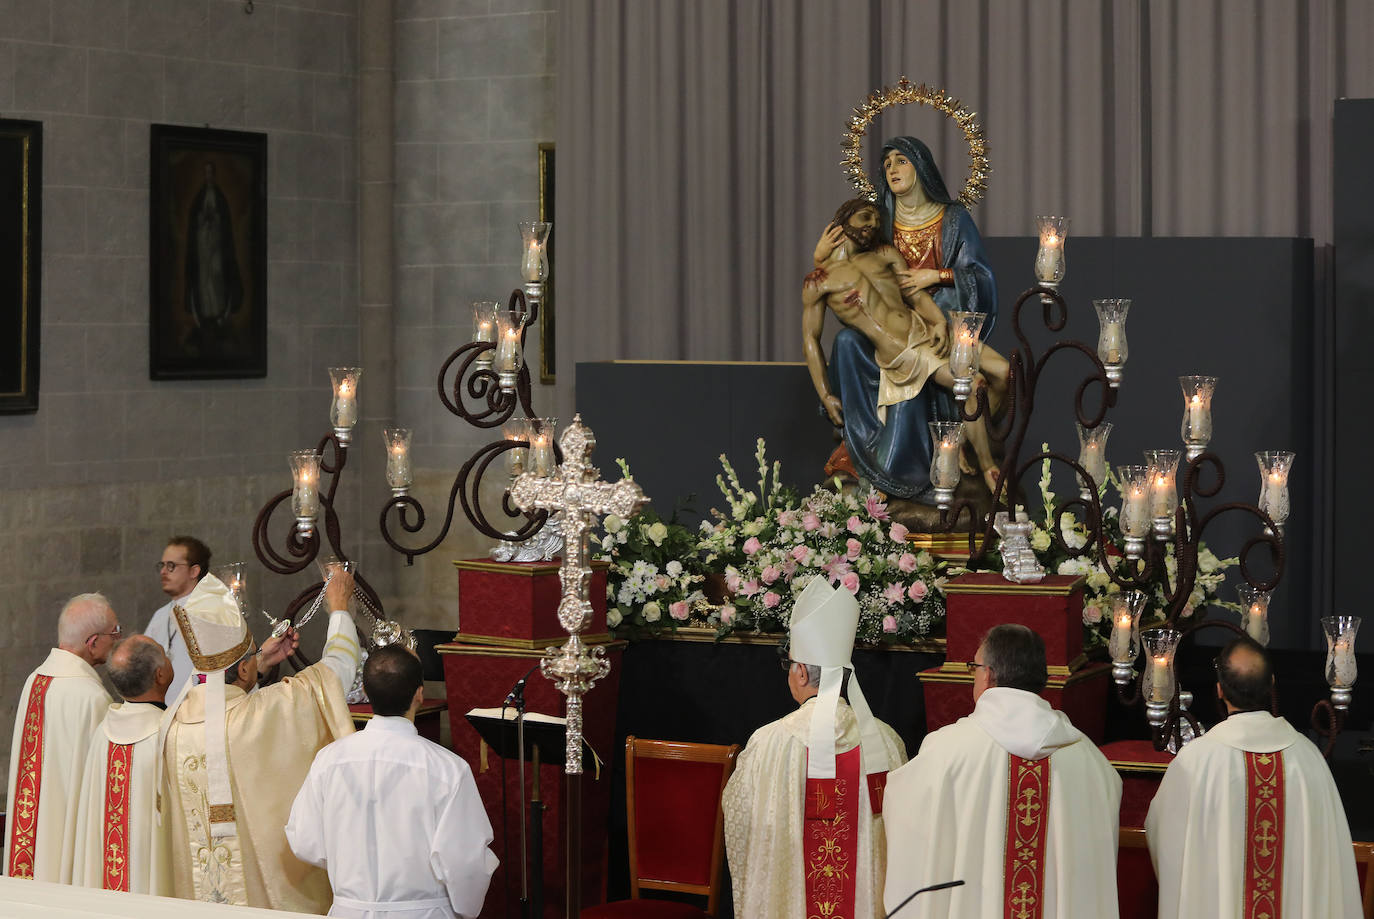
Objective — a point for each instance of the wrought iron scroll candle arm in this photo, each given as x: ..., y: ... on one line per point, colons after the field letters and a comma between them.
x: 301, y: 552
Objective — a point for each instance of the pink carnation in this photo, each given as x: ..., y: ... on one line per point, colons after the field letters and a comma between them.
x: 788, y: 518
x: 907, y: 563
x: 889, y: 624
x: 898, y: 533
x: 917, y: 591
x: 770, y: 574
x: 771, y: 600
x: 854, y: 524
x: 752, y: 545
x: 850, y: 582
x: 800, y: 553
x: 876, y: 508
x: 894, y: 592
x: 678, y: 610
x: 836, y: 568
x: 810, y: 522
x: 789, y: 568
x: 727, y: 615
x: 853, y: 549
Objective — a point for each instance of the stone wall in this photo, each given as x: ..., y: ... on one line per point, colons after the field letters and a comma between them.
x: 474, y: 99
x: 114, y: 463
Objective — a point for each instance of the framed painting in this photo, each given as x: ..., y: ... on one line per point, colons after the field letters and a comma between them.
x: 21, y: 221
x: 547, y: 369
x: 208, y: 254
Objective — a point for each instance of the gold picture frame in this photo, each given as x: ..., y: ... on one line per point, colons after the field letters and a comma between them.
x: 547, y: 340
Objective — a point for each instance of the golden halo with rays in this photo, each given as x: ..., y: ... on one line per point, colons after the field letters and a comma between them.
x: 904, y: 93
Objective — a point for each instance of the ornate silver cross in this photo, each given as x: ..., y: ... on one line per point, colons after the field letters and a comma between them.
x: 574, y: 492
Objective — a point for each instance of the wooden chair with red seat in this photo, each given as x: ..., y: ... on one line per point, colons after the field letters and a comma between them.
x: 676, y: 829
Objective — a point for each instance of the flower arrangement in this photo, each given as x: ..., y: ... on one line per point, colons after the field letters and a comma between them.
x: 1211, y: 570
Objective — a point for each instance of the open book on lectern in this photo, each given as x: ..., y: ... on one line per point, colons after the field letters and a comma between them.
x: 497, y: 728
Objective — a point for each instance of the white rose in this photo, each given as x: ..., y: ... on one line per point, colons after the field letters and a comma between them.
x: 613, y: 617
x: 1040, y: 540
x: 652, y: 612
x: 657, y: 533
x: 612, y: 523
x: 1098, y: 579
x: 674, y: 568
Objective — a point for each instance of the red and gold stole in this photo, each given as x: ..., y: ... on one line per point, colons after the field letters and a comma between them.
x: 30, y: 781
x: 831, y: 840
x: 1263, y: 836
x: 115, y: 844
x: 1028, y: 821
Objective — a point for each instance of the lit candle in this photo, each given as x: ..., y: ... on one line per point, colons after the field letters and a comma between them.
x: 1050, y: 259
x: 947, y: 463
x: 1343, y: 661
x: 1161, y: 690
x: 1137, y: 504
x: 1093, y: 460
x: 398, y: 466
x: 1256, y: 625
x: 541, y: 454
x: 961, y: 357
x: 1109, y: 343
x: 1198, y: 422
x: 1119, y: 645
x: 516, y: 454
x: 508, y: 351
x: 530, y: 267
x: 1275, y: 484
x: 1161, y: 491
x: 348, y: 405
x: 485, y: 331
x: 305, y: 495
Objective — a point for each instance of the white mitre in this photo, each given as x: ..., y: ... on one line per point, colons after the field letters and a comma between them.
x: 824, y: 622
x: 217, y: 638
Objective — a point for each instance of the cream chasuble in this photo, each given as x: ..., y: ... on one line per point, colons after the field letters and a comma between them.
x: 1209, y: 863
x: 949, y: 813
x: 119, y: 845
x: 62, y: 703
x: 764, y: 810
x: 272, y: 736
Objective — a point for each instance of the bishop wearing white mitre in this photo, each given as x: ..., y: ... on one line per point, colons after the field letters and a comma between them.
x: 226, y: 817
x: 1013, y: 800
x: 62, y: 702
x: 803, y: 810
x: 1247, y: 821
x: 119, y: 844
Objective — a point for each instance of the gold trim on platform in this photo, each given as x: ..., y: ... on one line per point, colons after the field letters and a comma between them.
x: 1078, y: 663
x: 519, y: 569
x: 943, y: 544
x: 712, y: 363
x: 432, y: 707
x: 1056, y: 681
x: 1121, y: 765
x: 1007, y: 587
x: 507, y: 650
x: 707, y: 635
x: 498, y: 641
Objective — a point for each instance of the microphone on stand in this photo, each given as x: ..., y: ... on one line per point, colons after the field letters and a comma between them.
x: 921, y: 891
x: 517, y: 692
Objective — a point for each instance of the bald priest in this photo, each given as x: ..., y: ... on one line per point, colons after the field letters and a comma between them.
x: 1013, y: 800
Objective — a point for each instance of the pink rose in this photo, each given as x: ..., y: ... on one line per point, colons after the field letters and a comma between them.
x: 810, y: 522
x: 787, y: 518
x: 890, y: 624
x: 752, y: 545
x: 894, y: 592
x: 876, y: 508
x: 800, y: 553
x: 850, y: 582
x: 732, y: 582
x: 749, y: 587
x: 678, y: 610
x: 853, y: 549
x: 662, y: 581
x: 771, y: 573
x: 898, y: 533
x: 1092, y: 614
x: 907, y: 563
x: 727, y: 615
x: 771, y: 600
x: 854, y: 524
x: 917, y: 591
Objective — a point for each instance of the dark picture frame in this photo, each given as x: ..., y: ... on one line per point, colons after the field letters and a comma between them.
x: 21, y: 265
x: 208, y: 254
x: 547, y: 340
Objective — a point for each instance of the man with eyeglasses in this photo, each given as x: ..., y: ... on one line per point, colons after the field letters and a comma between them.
x: 62, y: 704
x: 1248, y: 821
x: 1013, y: 800
x: 184, y: 562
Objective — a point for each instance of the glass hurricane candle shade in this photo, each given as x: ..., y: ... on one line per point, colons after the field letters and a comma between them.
x: 516, y: 431
x: 509, y: 348
x: 1111, y: 336
x: 1124, y: 642
x: 398, y: 467
x: 541, y: 458
x: 1340, y: 657
x: 1135, y: 507
x: 534, y: 259
x: 232, y: 576
x: 947, y: 439
x: 1274, y: 466
x: 484, y: 329
x: 966, y: 349
x: 1049, y: 259
x: 1254, y: 612
x: 1092, y: 456
x: 343, y: 410
x: 1197, y: 412
x: 1158, y: 683
x: 305, y: 490
x: 1163, y: 488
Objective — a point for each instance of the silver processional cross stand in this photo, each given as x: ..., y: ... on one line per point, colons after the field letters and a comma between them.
x: 575, y: 492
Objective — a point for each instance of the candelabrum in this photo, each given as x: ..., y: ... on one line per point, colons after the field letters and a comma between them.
x: 486, y: 382
x: 1159, y: 500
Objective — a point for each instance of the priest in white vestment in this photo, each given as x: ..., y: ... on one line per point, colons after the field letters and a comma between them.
x: 234, y: 760
x: 62, y: 703
x: 1247, y: 821
x: 119, y: 845
x: 803, y: 809
x: 395, y: 819
x: 1013, y: 800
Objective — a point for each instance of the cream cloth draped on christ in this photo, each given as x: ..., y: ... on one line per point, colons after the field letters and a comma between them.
x: 272, y: 736
x: 43, y: 811
x: 764, y: 810
x: 119, y: 845
x: 946, y: 815
x: 1197, y: 826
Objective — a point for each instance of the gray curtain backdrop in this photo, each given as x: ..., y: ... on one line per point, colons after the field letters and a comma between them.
x: 698, y: 140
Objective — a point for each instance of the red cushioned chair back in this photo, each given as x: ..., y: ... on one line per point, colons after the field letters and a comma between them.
x: 673, y: 794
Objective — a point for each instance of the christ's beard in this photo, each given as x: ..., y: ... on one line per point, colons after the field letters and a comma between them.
x: 862, y: 237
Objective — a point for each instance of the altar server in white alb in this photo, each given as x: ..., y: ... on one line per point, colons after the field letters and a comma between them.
x: 1247, y: 821
x: 803, y: 809
x: 62, y: 703
x: 395, y: 819
x: 119, y: 845
x: 1013, y: 800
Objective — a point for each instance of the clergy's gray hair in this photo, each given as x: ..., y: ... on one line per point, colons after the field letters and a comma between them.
x: 813, y: 676
x: 83, y: 616
x: 133, y: 665
x: 1016, y: 657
